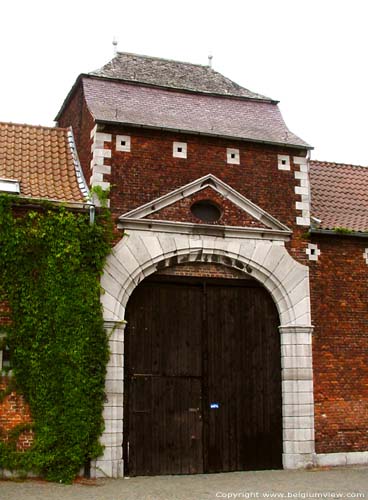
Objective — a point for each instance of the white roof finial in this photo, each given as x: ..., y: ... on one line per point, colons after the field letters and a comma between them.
x: 210, y: 57
x: 115, y: 44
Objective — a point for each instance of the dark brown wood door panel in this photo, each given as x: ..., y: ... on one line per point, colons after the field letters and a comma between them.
x: 202, y: 378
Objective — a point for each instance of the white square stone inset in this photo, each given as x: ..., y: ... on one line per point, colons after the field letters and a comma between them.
x: 283, y: 162
x: 180, y: 150
x: 123, y: 143
x: 365, y: 255
x: 233, y: 156
x: 313, y: 251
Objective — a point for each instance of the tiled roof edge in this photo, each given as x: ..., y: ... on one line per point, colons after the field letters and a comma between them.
x: 78, y: 169
x: 332, y: 232
x: 337, y: 164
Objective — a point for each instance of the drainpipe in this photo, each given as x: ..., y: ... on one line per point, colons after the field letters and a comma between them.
x: 92, y: 213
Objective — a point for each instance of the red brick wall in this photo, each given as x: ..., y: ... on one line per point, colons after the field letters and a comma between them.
x: 149, y: 170
x: 339, y: 284
x: 77, y: 115
x: 13, y: 412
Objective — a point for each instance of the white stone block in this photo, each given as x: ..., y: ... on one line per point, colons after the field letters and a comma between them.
x: 297, y: 460
x: 302, y: 307
x: 274, y: 257
x: 299, y: 160
x: 182, y: 242
x: 298, y: 446
x: 123, y: 143
x: 296, y: 362
x: 114, y: 386
x: 116, y: 360
x: 246, y: 249
x: 102, y: 468
x: 114, y: 373
x: 301, y: 190
x: 300, y: 291
x: 116, y: 347
x: 104, y: 153
x: 233, y: 156
x: 296, y: 350
x: 97, y: 161
x: 301, y: 175
x: 304, y: 183
x: 125, y: 255
x: 101, y: 169
x: 113, y: 412
x: 104, y: 185
x: 302, y: 205
x: 179, y: 149
x: 298, y: 422
x: 112, y: 439
x: 114, y: 399
x: 331, y: 459
x: 298, y: 435
x: 167, y: 243
x: 96, y: 177
x: 296, y: 338
x: 260, y: 252
x: 297, y: 410
x: 303, y: 221
x: 113, y: 426
x: 301, y: 398
x: 297, y: 386
x: 297, y: 373
x: 153, y: 246
x: 283, y: 162
x: 357, y: 458
x: 102, y: 137
x: 304, y: 168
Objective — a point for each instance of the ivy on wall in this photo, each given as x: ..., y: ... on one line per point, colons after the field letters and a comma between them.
x: 51, y: 262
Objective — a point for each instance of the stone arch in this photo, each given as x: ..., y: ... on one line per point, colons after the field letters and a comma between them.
x: 141, y: 253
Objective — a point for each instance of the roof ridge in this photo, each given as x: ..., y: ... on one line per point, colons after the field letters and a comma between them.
x: 164, y: 59
x: 65, y: 129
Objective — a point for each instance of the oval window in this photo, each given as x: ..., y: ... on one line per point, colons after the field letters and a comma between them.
x: 206, y: 210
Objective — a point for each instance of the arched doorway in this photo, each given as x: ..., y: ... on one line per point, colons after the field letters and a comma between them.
x: 202, y: 377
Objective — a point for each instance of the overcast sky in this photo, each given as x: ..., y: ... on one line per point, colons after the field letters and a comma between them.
x: 310, y: 55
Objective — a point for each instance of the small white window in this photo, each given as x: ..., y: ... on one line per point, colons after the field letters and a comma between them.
x: 233, y: 156
x: 123, y: 143
x: 180, y: 149
x: 283, y: 162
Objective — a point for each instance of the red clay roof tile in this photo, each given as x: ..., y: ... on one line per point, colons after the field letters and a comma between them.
x: 340, y: 195
x: 42, y: 160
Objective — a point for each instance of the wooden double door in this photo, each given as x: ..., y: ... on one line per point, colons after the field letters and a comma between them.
x: 202, y: 378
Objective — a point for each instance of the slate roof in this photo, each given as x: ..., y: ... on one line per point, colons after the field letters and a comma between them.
x: 172, y: 74
x: 133, y: 104
x: 44, y: 160
x: 339, y: 195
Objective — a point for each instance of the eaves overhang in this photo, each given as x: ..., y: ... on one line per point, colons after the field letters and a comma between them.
x: 203, y: 134
x: 334, y: 232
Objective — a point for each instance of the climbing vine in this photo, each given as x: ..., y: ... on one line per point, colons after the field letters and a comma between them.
x: 51, y: 261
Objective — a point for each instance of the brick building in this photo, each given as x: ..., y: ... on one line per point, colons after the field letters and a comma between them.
x: 235, y: 292
x: 36, y: 164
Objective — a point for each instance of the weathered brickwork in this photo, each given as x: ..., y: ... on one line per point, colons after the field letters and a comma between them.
x: 339, y: 283
x: 13, y: 412
x: 78, y: 116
